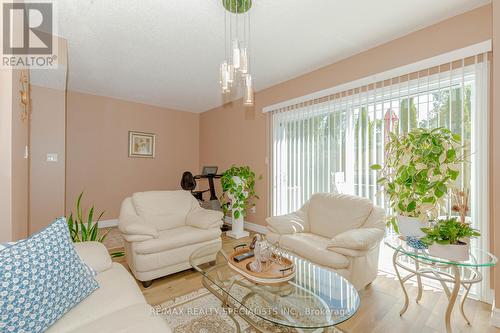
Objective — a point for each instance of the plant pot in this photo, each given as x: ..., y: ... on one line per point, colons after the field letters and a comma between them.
x: 410, y: 226
x: 453, y: 252
x: 237, y: 230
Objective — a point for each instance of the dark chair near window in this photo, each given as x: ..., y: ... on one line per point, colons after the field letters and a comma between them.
x: 188, y: 183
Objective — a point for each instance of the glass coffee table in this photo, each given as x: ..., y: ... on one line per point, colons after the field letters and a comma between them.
x: 316, y: 298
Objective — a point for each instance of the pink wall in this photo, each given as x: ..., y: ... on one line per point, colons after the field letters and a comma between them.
x: 97, y: 150
x: 13, y: 165
x: 6, y: 153
x: 20, y: 164
x: 48, y: 135
x: 233, y: 135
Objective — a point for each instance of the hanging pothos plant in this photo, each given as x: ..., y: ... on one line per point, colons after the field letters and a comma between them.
x: 236, y: 195
x: 419, y: 169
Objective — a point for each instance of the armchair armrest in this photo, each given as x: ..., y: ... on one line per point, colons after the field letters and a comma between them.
x: 362, y: 239
x: 204, y: 218
x: 95, y: 255
x: 288, y: 224
x: 132, y: 226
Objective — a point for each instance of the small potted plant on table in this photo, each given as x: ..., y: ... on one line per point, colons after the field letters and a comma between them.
x: 449, y: 238
x: 419, y: 168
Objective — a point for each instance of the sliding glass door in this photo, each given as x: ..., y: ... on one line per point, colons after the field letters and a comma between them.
x: 328, y: 144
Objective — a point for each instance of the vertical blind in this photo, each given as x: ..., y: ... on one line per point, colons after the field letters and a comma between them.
x: 328, y: 144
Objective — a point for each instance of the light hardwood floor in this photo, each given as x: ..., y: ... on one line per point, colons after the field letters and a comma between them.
x: 379, y: 310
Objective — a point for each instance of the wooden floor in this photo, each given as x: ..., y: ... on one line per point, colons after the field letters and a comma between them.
x: 380, y: 304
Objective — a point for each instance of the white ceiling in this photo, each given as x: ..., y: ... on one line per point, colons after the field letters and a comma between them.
x: 168, y: 52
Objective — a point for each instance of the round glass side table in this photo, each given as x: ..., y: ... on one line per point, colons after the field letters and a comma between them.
x: 419, y: 263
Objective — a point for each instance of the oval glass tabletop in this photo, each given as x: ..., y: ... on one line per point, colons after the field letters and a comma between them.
x: 315, y: 298
x: 477, y: 257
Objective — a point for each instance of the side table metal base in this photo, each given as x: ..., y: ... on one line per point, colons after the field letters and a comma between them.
x: 459, y: 276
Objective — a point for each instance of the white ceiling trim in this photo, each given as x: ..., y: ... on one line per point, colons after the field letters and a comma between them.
x: 441, y: 59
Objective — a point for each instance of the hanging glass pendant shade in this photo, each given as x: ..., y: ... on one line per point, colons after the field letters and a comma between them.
x: 243, y: 60
x: 236, y: 54
x: 224, y: 77
x: 230, y: 70
x: 235, y: 70
x: 248, y: 98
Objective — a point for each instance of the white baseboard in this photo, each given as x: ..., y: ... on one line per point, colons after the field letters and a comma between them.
x: 108, y: 223
x: 495, y: 317
x: 250, y: 226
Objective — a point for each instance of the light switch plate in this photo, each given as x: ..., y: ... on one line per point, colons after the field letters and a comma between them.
x: 51, y: 157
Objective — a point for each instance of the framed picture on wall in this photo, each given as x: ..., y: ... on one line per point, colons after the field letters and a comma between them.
x: 141, y: 144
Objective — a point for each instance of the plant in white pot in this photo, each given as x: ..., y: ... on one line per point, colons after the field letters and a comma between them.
x: 449, y: 239
x: 419, y: 168
x: 238, y: 187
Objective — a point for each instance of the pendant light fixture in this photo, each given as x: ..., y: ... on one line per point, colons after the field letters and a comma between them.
x: 235, y: 69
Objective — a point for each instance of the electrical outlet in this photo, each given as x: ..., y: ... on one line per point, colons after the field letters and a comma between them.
x: 51, y: 157
x: 253, y: 210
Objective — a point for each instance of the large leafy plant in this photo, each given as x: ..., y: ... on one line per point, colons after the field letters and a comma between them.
x: 448, y: 231
x: 83, y: 228
x: 420, y: 167
x: 241, y: 193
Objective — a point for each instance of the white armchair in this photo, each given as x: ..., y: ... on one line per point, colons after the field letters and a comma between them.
x: 339, y: 231
x: 162, y: 229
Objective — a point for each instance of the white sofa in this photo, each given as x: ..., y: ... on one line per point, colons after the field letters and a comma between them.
x: 162, y: 229
x: 339, y: 231
x: 117, y: 306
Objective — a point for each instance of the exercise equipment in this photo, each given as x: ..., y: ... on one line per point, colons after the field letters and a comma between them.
x: 188, y: 183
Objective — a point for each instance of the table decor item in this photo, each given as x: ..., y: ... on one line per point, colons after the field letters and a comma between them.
x: 419, y: 168
x: 415, y: 243
x: 266, y: 265
x: 449, y: 239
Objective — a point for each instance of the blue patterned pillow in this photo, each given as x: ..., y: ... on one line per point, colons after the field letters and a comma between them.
x: 4, y: 245
x: 41, y: 278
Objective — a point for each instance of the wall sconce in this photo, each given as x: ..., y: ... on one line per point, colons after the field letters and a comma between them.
x: 25, y: 95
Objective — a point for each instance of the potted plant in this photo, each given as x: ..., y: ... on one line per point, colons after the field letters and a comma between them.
x: 87, y: 230
x: 449, y: 239
x: 419, y: 168
x: 238, y: 189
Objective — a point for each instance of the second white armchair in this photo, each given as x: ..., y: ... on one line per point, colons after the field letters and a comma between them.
x: 162, y: 229
x: 339, y: 231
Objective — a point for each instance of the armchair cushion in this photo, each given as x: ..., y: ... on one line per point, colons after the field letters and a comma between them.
x: 331, y: 214
x: 95, y: 255
x: 289, y: 223
x: 204, y: 218
x: 357, y: 239
x: 163, y: 209
x: 314, y: 248
x: 137, y: 228
x: 177, y: 238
